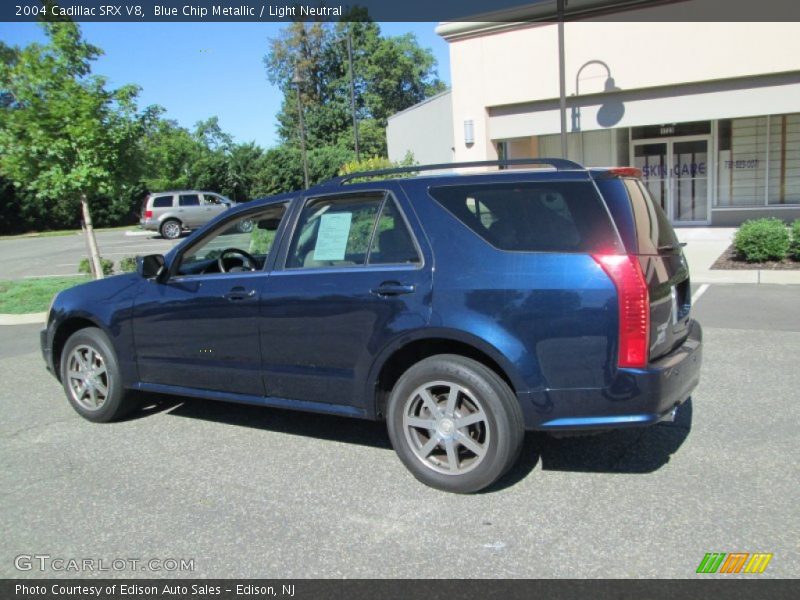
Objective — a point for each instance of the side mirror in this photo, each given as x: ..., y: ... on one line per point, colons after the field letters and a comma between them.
x: 151, y: 266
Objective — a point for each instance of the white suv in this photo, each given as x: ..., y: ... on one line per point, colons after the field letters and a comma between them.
x: 170, y: 213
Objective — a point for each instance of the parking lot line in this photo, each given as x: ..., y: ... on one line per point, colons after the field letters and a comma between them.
x: 700, y: 291
x: 54, y: 275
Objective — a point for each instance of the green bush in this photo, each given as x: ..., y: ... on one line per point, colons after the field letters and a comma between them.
x: 108, y: 266
x: 377, y: 163
x: 261, y: 241
x: 762, y: 239
x: 795, y: 249
x: 127, y: 264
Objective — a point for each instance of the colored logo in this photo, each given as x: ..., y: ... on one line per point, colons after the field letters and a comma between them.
x: 735, y: 562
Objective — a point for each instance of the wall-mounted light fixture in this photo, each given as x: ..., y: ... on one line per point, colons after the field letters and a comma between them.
x: 469, y: 132
x: 611, y: 111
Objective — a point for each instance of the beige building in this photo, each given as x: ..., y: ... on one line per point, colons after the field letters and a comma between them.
x: 709, y: 111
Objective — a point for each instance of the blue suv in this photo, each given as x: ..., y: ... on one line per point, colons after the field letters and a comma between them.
x: 461, y: 309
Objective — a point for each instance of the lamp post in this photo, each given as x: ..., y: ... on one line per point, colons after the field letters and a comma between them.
x: 562, y: 93
x: 298, y: 80
x: 352, y: 91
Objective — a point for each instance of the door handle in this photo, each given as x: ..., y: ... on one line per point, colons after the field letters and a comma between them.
x: 393, y: 288
x: 238, y: 294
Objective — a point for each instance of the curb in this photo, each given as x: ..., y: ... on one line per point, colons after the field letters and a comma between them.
x: 748, y: 276
x: 24, y: 319
x: 139, y: 233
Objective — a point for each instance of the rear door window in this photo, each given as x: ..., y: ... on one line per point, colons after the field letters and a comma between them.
x: 189, y: 200
x: 533, y: 216
x: 392, y: 242
x: 335, y: 232
x: 162, y: 202
x: 351, y: 231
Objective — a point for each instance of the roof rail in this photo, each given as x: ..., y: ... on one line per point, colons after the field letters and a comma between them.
x: 559, y: 164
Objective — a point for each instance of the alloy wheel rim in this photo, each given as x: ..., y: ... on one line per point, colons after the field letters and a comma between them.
x: 87, y: 377
x: 172, y: 230
x: 446, y: 427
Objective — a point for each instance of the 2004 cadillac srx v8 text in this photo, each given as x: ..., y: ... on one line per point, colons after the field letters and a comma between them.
x: 462, y: 309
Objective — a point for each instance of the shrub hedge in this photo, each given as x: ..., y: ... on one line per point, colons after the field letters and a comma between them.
x: 108, y: 266
x: 127, y: 264
x: 762, y: 239
x: 795, y: 248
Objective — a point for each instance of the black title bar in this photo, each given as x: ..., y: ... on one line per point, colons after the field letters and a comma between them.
x: 396, y: 10
x: 368, y: 589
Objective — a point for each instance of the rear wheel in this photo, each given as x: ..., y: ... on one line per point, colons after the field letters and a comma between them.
x: 455, y: 423
x: 171, y: 229
x: 245, y: 226
x: 91, y: 377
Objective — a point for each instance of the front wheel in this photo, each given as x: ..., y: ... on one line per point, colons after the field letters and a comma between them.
x: 91, y: 377
x: 454, y: 423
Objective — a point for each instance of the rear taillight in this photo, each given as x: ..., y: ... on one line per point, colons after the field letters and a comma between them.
x: 634, y: 307
x: 625, y: 172
x: 148, y: 214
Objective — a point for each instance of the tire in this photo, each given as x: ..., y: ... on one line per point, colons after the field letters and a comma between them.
x: 171, y: 229
x: 100, y: 397
x: 245, y: 226
x: 432, y: 445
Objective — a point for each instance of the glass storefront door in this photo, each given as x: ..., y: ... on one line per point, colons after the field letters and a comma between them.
x: 652, y: 159
x: 676, y: 171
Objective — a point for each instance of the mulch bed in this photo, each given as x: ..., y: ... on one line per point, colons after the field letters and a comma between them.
x: 728, y: 260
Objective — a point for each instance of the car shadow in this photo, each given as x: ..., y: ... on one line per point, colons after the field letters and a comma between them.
x: 158, y: 236
x: 306, y: 424
x: 636, y: 450
x: 626, y: 451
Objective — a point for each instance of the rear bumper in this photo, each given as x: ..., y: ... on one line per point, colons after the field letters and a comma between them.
x: 636, y: 397
x: 149, y: 224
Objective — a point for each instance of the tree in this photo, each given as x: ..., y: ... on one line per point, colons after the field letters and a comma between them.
x: 63, y: 134
x: 280, y: 169
x: 169, y: 152
x: 241, y: 173
x: 390, y: 74
x: 205, y: 158
x: 211, y: 136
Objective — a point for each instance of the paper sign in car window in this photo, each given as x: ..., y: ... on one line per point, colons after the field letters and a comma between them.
x: 334, y: 229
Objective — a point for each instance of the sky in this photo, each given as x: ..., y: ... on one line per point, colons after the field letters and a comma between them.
x: 197, y: 70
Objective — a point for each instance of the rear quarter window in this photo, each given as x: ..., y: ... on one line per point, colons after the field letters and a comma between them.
x: 654, y: 233
x: 162, y: 202
x: 189, y: 200
x: 533, y: 216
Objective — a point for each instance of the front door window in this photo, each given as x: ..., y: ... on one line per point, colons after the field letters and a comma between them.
x: 242, y: 244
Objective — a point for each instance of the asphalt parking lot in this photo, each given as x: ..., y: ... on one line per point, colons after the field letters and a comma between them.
x: 60, y: 255
x: 254, y: 492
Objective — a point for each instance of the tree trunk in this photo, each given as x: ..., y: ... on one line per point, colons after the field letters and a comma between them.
x: 93, y: 251
x: 88, y: 251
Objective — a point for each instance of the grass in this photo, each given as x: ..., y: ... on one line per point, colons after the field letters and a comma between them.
x: 60, y: 232
x: 33, y: 295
